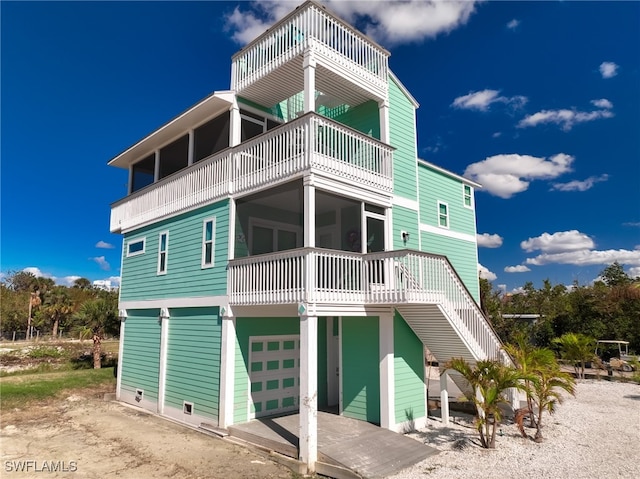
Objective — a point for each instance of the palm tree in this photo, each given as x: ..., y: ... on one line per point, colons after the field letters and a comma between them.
x: 578, y: 349
x: 97, y: 315
x: 490, y: 379
x: 546, y: 392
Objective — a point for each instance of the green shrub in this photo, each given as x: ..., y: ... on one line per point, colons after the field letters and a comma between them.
x: 40, y: 352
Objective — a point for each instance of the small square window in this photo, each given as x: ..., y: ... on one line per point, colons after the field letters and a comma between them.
x: 187, y: 408
x: 135, y: 247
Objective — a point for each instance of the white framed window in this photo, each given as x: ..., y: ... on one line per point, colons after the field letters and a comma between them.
x: 443, y: 215
x: 208, y: 242
x: 135, y: 246
x: 163, y: 247
x: 467, y: 196
x: 187, y: 408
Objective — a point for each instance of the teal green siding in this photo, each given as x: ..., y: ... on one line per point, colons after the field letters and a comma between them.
x: 245, y: 328
x: 436, y: 186
x: 193, y: 360
x: 361, y: 368
x: 461, y: 254
x: 402, y: 135
x: 364, y: 118
x: 141, y: 353
x: 405, y: 219
x: 408, y: 366
x: 185, y: 276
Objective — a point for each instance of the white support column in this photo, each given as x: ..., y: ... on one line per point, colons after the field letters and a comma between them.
x: 235, y: 123
x: 227, y: 367
x: 383, y: 108
x: 444, y: 397
x: 164, y: 341
x: 387, y: 373
x: 156, y: 166
x: 309, y: 66
x: 123, y: 320
x: 232, y: 229
x: 309, y: 215
x: 191, y: 152
x: 308, y: 389
x: 130, y: 182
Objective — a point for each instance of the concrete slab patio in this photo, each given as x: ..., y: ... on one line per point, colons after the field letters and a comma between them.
x: 344, y: 444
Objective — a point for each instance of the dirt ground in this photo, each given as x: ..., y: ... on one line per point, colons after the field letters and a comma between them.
x: 84, y: 436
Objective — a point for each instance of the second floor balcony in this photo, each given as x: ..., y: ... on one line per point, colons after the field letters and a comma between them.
x: 309, y: 144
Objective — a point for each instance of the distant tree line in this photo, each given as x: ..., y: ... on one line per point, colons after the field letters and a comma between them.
x: 607, y: 309
x: 81, y: 311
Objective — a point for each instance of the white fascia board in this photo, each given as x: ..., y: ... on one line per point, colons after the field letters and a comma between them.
x: 202, y: 111
x: 447, y: 232
x: 405, y: 203
x: 404, y: 89
x: 451, y: 174
x: 201, y: 301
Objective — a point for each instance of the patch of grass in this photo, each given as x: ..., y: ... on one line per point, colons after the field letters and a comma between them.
x: 45, y: 352
x: 19, y: 391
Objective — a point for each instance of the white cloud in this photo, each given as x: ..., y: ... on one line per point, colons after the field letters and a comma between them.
x: 482, y: 100
x: 634, y: 272
x: 566, y: 119
x: 608, y: 69
x: 516, y: 269
x: 104, y: 245
x: 497, y: 134
x: 391, y: 22
x: 602, y: 103
x: 38, y: 273
x: 562, y: 241
x: 68, y: 280
x: 576, y: 185
x: 486, y: 240
x: 102, y: 262
x: 588, y: 257
x: 506, y: 175
x: 115, y: 280
x: 513, y: 24
x: 484, y: 273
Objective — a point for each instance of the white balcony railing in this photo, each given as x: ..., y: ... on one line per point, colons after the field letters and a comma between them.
x: 332, y: 38
x: 339, y: 277
x: 309, y: 143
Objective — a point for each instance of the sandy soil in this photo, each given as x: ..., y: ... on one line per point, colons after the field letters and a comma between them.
x: 90, y: 438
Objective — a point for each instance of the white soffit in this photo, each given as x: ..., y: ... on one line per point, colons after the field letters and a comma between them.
x: 213, y: 105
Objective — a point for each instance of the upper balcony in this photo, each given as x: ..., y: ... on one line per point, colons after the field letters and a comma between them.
x: 310, y: 144
x: 350, y: 67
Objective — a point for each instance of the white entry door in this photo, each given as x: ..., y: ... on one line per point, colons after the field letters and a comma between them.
x: 274, y: 375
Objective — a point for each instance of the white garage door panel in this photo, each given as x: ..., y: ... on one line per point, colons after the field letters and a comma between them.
x: 274, y: 374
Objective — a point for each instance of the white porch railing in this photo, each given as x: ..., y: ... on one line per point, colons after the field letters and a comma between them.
x: 394, y: 278
x: 309, y: 143
x: 344, y: 46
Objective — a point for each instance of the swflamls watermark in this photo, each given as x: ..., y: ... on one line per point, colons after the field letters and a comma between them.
x: 40, y: 466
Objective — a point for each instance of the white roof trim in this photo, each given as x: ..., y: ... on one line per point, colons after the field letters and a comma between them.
x: 404, y: 89
x: 202, y: 111
x: 449, y: 173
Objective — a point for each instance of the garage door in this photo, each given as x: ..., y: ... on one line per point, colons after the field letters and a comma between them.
x: 274, y: 374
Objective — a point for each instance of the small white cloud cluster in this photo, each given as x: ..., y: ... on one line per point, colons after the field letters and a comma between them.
x: 391, y: 23
x: 483, y: 99
x: 506, y: 175
x: 576, y: 248
x: 577, y: 185
x: 566, y: 119
x: 486, y: 240
x: 513, y: 24
x: 484, y: 273
x: 608, y: 69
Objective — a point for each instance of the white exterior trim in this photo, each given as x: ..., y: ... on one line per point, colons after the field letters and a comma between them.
x: 160, y: 272
x: 405, y: 203
x: 140, y: 239
x: 309, y: 391
x: 387, y: 372
x: 120, y: 353
x: 212, y: 220
x: 193, y: 302
x: 227, y: 369
x: 164, y: 343
x: 437, y: 230
x: 450, y: 174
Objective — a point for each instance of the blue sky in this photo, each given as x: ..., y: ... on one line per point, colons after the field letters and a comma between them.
x: 537, y: 101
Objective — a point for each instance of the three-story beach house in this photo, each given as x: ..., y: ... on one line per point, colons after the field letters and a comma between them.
x: 286, y: 250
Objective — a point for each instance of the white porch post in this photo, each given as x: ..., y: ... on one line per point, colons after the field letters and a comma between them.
x: 309, y: 214
x: 123, y: 318
x: 227, y: 365
x: 309, y: 66
x: 383, y: 108
x: 308, y: 388
x: 387, y: 373
x: 156, y: 166
x: 444, y: 397
x: 235, y: 124
x: 191, y: 149
x: 164, y: 341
